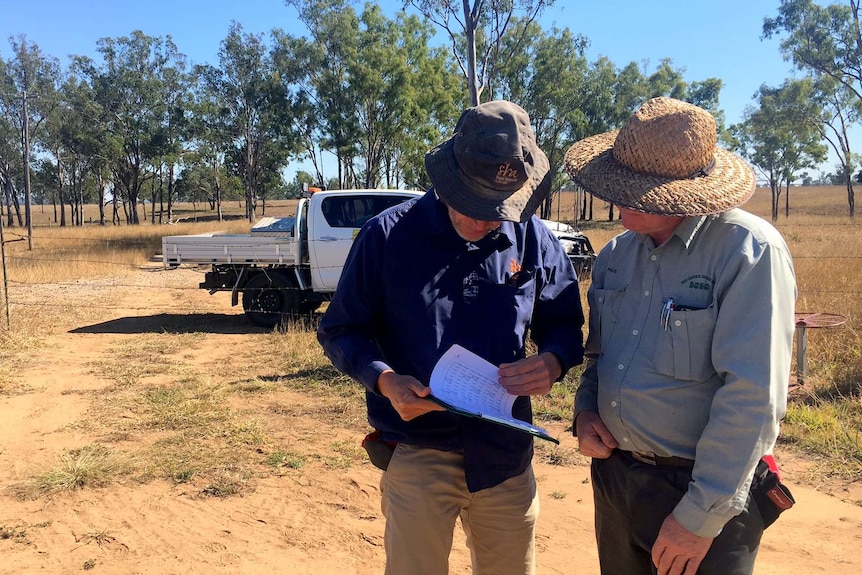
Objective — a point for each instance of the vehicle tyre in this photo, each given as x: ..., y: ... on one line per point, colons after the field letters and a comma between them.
x: 268, y: 298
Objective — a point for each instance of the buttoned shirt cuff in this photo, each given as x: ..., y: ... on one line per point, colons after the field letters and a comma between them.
x: 371, y: 373
x: 587, y: 397
x: 584, y: 401
x: 697, y: 521
x: 559, y: 353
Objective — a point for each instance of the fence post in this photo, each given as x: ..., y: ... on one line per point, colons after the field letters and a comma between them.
x: 804, y: 320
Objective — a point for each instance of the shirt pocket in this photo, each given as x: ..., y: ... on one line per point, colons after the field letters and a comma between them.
x: 507, y: 305
x: 684, y: 349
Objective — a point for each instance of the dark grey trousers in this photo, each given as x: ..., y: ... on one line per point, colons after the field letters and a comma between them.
x: 632, y: 499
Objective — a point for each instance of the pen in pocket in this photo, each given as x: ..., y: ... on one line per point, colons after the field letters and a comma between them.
x: 664, y: 318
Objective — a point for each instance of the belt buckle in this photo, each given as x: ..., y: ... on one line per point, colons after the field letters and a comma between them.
x: 643, y: 457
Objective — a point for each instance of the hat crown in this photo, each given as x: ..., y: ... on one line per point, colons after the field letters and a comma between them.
x: 491, y: 168
x: 493, y: 145
x: 667, y: 138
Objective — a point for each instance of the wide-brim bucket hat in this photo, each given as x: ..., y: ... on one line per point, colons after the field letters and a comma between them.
x: 491, y: 168
x: 664, y: 160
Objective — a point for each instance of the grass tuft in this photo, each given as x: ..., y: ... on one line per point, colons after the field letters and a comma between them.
x: 91, y: 466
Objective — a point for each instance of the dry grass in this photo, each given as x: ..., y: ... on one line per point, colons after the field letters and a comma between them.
x: 165, y: 417
x: 91, y: 466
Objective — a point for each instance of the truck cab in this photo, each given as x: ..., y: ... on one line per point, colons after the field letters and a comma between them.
x: 333, y: 220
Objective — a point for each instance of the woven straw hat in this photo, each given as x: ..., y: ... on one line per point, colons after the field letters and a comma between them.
x: 665, y: 161
x: 491, y: 168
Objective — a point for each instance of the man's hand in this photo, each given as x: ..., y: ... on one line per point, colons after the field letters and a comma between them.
x: 594, y: 438
x: 533, y: 375
x: 406, y: 394
x: 678, y: 551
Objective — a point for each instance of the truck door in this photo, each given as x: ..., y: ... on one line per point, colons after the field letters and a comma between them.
x: 336, y: 224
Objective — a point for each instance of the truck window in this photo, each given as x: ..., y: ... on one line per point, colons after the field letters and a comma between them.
x: 354, y: 211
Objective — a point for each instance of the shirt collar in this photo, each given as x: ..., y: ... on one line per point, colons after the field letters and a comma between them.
x: 685, y: 231
x: 688, y: 229
x: 435, y: 216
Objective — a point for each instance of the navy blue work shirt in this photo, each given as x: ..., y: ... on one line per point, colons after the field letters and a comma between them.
x: 411, y: 288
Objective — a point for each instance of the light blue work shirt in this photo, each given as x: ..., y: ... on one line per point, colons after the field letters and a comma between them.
x: 689, y: 352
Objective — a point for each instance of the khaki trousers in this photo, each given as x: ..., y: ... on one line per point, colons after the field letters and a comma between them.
x: 424, y: 492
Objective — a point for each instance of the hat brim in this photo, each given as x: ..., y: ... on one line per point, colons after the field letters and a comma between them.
x: 591, y: 164
x: 476, y: 201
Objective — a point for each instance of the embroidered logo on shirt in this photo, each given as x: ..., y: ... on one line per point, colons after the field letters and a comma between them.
x: 514, y: 266
x: 698, y: 282
x: 471, y: 287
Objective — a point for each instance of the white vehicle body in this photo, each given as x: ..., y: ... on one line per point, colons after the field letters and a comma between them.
x: 285, y: 265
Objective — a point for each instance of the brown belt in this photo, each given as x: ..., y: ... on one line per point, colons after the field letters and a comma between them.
x: 658, y: 460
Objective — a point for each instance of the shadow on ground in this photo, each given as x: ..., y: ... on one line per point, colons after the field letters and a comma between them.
x: 175, y: 323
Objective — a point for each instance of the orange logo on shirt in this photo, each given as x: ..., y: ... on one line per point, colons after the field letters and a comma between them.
x: 514, y: 266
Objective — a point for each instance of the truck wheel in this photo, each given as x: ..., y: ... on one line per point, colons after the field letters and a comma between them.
x: 268, y: 298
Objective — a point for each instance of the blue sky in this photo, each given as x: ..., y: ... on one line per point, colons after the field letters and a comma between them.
x: 707, y: 38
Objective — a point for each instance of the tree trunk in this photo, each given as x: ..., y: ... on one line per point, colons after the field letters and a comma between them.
x: 775, y: 189
x: 101, y: 200
x: 62, y: 196
x: 115, y: 213
x: 470, y: 36
x: 153, y: 197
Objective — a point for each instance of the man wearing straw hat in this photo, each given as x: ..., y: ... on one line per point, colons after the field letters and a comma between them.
x: 468, y: 263
x: 689, y: 346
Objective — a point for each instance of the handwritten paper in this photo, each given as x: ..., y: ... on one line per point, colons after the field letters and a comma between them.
x: 467, y: 384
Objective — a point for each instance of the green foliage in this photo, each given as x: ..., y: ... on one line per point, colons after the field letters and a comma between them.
x: 782, y: 136
x: 823, y: 42
x: 830, y: 430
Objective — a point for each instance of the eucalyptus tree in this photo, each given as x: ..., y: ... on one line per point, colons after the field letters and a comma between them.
x: 28, y: 95
x: 11, y: 167
x: 477, y: 30
x: 250, y: 102
x: 382, y: 96
x: 130, y: 88
x: 433, y: 101
x: 826, y: 41
x: 409, y: 94
x: 204, y: 166
x: 173, y: 136
x: 839, y: 110
x: 88, y: 132
x: 78, y: 141
x: 782, y: 136
x: 334, y: 29
x: 204, y: 181
x: 548, y: 78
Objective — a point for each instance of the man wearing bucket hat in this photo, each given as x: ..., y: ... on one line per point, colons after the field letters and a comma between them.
x: 468, y: 263
x: 688, y: 353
